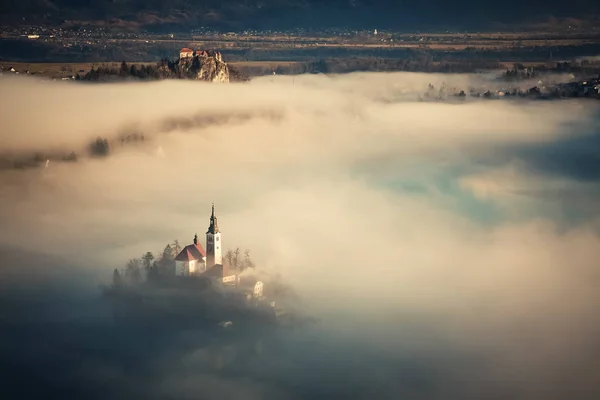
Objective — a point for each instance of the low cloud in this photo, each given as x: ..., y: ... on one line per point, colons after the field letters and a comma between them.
x: 442, y: 250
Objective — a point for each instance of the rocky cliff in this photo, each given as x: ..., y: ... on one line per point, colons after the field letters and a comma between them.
x: 208, y: 67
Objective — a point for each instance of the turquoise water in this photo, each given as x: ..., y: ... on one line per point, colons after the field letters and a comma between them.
x: 439, y: 186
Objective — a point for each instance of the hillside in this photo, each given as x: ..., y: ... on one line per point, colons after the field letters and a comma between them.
x: 286, y: 14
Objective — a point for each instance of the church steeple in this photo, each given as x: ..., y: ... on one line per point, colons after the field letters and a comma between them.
x: 214, y: 226
x: 213, y: 241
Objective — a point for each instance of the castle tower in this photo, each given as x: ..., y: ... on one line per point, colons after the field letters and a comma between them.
x: 213, y: 242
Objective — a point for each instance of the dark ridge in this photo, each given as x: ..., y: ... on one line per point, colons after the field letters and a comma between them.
x: 285, y: 14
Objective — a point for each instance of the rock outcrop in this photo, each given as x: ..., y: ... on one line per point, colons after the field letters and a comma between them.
x: 208, y: 66
x: 203, y: 66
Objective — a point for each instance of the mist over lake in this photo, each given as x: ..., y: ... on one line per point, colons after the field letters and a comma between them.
x: 443, y: 249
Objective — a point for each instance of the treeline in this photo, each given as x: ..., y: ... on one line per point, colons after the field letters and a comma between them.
x: 235, y: 261
x: 519, y: 71
x: 99, y: 147
x: 148, y: 267
x: 152, y: 268
x: 143, y: 72
x: 164, y: 69
x: 421, y: 64
x: 364, y: 64
x: 35, y: 160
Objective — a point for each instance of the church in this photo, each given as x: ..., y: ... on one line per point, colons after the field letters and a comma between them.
x: 193, y: 260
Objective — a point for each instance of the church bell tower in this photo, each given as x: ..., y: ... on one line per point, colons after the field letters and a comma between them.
x: 213, y: 242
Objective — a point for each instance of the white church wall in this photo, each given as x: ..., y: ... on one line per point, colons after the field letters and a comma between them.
x: 192, y: 267
x: 218, y: 256
x: 181, y: 268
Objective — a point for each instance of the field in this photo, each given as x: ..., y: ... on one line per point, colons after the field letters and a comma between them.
x: 383, y: 41
x: 67, y: 55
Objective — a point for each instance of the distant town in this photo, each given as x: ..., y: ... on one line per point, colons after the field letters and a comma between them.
x: 101, y: 44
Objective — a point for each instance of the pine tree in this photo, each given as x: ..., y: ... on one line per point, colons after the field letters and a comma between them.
x: 124, y: 69
x: 167, y: 254
x: 117, y: 279
x: 132, y: 270
x: 147, y: 260
x: 176, y: 248
x: 133, y: 71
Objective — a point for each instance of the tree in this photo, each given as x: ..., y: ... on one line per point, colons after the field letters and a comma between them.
x: 176, y: 248
x: 152, y: 272
x: 142, y: 72
x: 236, y: 258
x: 124, y: 69
x: 99, y: 147
x: 132, y: 271
x: 92, y: 75
x: 168, y: 253
x: 247, y: 261
x: 166, y: 263
x: 72, y: 156
x: 229, y: 258
x: 147, y: 260
x: 117, y: 279
x: 136, y: 278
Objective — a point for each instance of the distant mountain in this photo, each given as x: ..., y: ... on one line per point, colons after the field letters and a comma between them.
x: 286, y: 14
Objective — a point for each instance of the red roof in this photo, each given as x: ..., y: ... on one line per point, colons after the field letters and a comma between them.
x: 186, y: 50
x: 191, y: 252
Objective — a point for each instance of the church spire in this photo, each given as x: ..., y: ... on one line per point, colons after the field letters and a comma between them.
x: 213, y: 227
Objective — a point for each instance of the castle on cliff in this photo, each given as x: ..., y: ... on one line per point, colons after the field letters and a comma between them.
x: 189, y: 53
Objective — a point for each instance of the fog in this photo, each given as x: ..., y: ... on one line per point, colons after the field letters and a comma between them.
x: 448, y: 250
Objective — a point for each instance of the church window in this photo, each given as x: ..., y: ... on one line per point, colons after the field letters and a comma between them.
x: 217, y: 238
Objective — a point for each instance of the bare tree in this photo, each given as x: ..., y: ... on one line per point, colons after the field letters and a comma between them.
x: 247, y: 260
x: 236, y: 258
x: 229, y: 258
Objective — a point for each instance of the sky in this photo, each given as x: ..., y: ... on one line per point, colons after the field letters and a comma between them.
x: 445, y: 249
